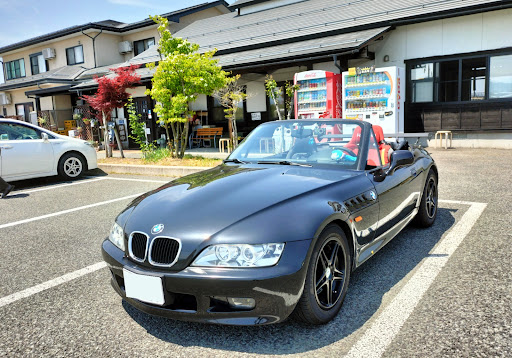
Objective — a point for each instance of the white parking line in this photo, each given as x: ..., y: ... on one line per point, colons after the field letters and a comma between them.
x: 386, y: 326
x: 139, y: 180
x: 58, y: 186
x: 14, y: 223
x: 49, y: 284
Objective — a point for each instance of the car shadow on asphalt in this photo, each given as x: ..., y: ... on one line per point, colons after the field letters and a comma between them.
x: 368, y: 286
x: 15, y: 196
x: 53, y: 180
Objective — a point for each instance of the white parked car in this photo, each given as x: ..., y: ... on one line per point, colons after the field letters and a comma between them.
x: 28, y: 151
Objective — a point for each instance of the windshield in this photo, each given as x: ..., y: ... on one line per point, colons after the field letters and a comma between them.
x: 302, y: 142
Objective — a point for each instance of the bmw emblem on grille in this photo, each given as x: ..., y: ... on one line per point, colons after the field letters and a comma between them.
x: 157, y: 229
x: 373, y: 195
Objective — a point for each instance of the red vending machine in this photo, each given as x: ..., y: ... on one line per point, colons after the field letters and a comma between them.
x: 319, y: 95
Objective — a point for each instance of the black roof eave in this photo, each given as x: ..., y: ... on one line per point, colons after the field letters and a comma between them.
x: 143, y: 81
x: 307, y: 57
x: 248, y: 3
x: 174, y: 17
x: 293, y: 59
x: 506, y: 4
x: 302, y: 38
x: 44, y: 92
x: 7, y: 87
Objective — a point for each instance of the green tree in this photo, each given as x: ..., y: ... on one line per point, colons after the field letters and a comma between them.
x: 273, y: 91
x: 290, y: 92
x: 230, y: 97
x: 181, y: 75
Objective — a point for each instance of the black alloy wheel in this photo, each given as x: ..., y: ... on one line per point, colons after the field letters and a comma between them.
x: 427, y: 211
x: 329, y: 274
x: 431, y: 202
x: 327, y: 278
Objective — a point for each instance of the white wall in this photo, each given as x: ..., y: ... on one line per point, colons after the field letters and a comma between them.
x: 107, y: 50
x: 465, y: 34
x: 201, y: 103
x: 137, y: 91
x: 326, y: 66
x: 257, y: 99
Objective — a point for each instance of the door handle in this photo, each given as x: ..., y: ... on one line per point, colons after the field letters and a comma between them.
x: 7, y: 146
x: 414, y: 172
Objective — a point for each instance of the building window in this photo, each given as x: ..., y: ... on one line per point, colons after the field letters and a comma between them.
x: 38, y: 64
x: 500, y: 77
x: 142, y: 45
x: 75, y: 55
x: 447, y: 81
x: 422, y: 80
x: 464, y: 79
x: 15, y: 69
x: 219, y: 116
x: 473, y: 79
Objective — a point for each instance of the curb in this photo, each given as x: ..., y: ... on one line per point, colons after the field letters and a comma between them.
x: 157, y: 170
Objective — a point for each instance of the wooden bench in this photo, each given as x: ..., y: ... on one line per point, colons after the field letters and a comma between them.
x: 205, y: 134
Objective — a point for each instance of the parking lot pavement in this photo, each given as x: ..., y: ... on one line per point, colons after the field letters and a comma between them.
x: 445, y: 291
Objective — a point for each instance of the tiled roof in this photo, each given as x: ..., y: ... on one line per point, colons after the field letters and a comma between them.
x: 143, y: 72
x: 315, y: 19
x: 337, y: 43
x: 61, y: 74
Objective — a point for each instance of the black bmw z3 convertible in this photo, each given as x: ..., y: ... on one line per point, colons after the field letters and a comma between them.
x: 274, y: 231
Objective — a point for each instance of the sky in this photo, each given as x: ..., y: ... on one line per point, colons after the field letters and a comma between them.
x: 24, y: 19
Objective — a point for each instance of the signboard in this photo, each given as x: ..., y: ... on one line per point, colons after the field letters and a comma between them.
x: 256, y: 116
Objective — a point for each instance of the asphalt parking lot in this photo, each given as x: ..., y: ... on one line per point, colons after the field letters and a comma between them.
x: 444, y: 291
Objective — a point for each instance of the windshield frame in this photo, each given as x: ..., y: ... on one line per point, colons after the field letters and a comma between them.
x: 363, y: 149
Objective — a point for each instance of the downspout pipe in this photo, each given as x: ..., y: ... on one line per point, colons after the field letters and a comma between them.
x: 335, y: 58
x: 93, y: 44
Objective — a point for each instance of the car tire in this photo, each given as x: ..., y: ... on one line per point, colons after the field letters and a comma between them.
x: 428, y: 207
x: 71, y: 166
x: 328, y: 271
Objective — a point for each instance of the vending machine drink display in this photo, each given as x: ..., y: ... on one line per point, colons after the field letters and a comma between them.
x: 319, y: 94
x: 375, y: 95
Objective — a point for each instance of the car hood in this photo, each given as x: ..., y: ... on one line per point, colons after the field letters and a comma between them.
x: 202, y: 204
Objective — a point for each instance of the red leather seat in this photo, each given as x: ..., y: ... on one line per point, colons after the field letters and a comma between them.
x: 353, y: 144
x: 383, y: 147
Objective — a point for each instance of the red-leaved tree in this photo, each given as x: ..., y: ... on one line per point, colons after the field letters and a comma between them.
x: 112, y: 94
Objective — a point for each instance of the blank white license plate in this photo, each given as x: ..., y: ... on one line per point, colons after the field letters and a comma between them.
x: 144, y: 288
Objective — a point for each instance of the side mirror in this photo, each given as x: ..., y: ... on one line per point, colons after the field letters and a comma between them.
x: 44, y: 136
x: 399, y: 159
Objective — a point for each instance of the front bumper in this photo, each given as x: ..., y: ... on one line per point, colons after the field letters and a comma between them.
x: 198, y: 293
x: 91, y: 157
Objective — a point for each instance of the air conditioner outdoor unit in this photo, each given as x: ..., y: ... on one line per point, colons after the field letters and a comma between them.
x: 48, y: 53
x: 5, y: 98
x: 125, y: 47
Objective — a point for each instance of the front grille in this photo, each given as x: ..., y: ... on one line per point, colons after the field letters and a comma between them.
x: 164, y: 251
x: 138, y: 245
